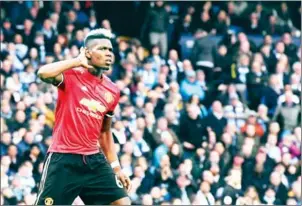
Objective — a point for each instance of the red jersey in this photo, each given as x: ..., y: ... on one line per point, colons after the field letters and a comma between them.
x: 83, y: 101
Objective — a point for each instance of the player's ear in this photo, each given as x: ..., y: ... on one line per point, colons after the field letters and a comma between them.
x: 87, y: 53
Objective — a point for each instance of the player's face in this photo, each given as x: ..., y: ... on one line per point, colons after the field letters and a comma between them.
x: 101, y: 54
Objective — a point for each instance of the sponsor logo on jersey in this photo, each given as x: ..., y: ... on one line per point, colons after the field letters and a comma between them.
x: 93, y: 105
x: 108, y: 97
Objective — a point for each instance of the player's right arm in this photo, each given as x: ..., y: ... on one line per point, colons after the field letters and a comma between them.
x: 53, y: 73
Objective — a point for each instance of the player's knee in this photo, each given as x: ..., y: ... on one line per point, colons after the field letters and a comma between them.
x: 122, y: 201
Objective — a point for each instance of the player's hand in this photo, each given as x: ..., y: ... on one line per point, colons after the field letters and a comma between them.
x: 83, y: 59
x: 124, y: 179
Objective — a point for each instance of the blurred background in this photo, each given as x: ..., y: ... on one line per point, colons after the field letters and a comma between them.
x: 210, y: 96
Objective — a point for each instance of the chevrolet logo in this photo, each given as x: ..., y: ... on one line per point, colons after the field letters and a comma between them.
x: 93, y: 105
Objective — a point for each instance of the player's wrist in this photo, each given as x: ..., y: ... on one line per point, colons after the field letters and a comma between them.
x: 115, y: 165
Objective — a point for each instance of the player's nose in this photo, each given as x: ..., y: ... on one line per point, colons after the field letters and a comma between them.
x: 108, y: 53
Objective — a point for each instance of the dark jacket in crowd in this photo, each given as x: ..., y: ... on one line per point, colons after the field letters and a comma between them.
x: 270, y: 99
x: 255, y: 85
x: 204, y: 49
x: 216, y: 124
x: 157, y: 20
x: 191, y: 130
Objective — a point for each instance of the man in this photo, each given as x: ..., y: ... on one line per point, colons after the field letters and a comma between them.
x: 86, y: 100
x: 156, y: 24
x: 216, y: 121
x: 288, y: 113
x: 203, y: 53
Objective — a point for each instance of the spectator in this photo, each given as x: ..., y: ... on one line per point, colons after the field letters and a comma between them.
x: 215, y: 121
x: 232, y: 190
x: 185, y: 27
x: 204, y: 196
x: 12, y: 152
x: 289, y: 113
x: 49, y: 35
x: 163, y: 148
x: 254, y: 26
x: 5, y: 142
x: 283, y: 15
x: 190, y: 86
x: 175, y: 66
x: 92, y: 23
x: 260, y: 12
x: 235, y: 112
x: 223, y: 23
x: 290, y: 48
x: 140, y: 146
x: 184, y: 191
x: 82, y: 17
x: 107, y: 25
x: 282, y: 76
x: 271, y: 94
x: 203, y: 53
x: 222, y: 63
x: 270, y: 197
x: 227, y: 93
x: 273, y: 28
x: 204, y: 22
x: 255, y: 82
x: 157, y: 24
x: 7, y: 30
x: 79, y: 39
x: 21, y: 49
x: 190, y: 125
x: 155, y: 58
x: 252, y: 196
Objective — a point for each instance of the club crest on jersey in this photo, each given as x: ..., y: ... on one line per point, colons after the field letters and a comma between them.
x: 108, y: 97
x: 93, y: 105
x: 48, y: 201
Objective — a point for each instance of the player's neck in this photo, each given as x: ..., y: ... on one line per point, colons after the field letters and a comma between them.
x: 98, y: 72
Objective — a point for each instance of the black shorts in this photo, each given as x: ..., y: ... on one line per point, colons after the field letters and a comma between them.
x: 66, y: 176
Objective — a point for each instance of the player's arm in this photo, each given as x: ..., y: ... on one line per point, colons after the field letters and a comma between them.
x: 107, y: 145
x: 52, y: 73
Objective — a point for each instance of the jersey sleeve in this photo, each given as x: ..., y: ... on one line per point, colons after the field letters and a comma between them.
x: 67, y: 79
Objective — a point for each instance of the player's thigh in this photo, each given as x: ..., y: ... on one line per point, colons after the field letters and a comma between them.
x: 102, y: 185
x: 57, y: 186
x: 103, y: 191
x: 122, y: 201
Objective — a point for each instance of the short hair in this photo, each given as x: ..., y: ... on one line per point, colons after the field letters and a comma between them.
x: 98, y: 34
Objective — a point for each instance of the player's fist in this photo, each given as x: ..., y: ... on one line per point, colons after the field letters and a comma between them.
x: 83, y: 61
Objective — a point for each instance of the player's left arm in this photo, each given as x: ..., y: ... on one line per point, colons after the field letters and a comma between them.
x: 108, y: 147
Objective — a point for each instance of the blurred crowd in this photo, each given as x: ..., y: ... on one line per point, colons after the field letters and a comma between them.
x: 220, y: 127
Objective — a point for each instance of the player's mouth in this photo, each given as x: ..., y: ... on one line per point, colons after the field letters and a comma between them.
x: 108, y: 61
